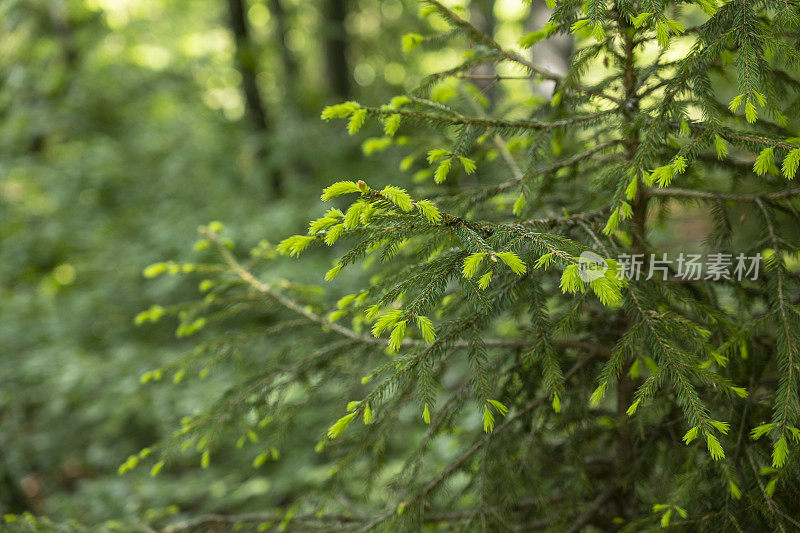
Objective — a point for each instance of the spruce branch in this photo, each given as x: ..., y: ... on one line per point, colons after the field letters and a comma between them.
x: 454, y: 118
x: 511, y: 56
x: 676, y: 192
x: 786, y: 398
x: 617, y: 124
x: 246, y: 276
x: 479, y: 444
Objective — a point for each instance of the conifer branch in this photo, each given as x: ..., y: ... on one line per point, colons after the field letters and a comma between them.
x: 675, y: 192
x: 772, y: 506
x: 738, y: 137
x: 568, y: 220
x: 267, y: 290
x: 514, y: 57
x: 480, y: 269
x: 480, y: 443
x: 459, y: 119
x: 786, y: 397
x: 564, y: 163
x: 537, y: 402
x: 238, y: 269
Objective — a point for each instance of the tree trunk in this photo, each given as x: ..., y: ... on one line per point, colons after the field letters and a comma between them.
x: 553, y: 53
x: 247, y: 64
x: 626, y: 445
x: 287, y: 58
x: 482, y: 16
x: 336, y: 48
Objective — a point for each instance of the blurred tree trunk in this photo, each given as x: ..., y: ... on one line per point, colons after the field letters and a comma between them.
x: 13, y: 500
x: 247, y: 64
x: 482, y: 16
x: 59, y: 18
x: 336, y: 47
x: 287, y: 58
x: 553, y: 53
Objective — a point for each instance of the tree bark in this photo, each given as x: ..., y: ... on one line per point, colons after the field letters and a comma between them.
x: 626, y: 445
x: 246, y: 63
x: 336, y: 48
x: 287, y: 58
x: 482, y: 15
x: 553, y: 53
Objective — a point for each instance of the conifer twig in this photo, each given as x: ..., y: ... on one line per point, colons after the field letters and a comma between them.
x: 538, y: 401
x: 454, y: 465
x: 459, y: 119
x: 783, y: 407
x: 513, y: 56
x: 733, y: 197
x: 245, y: 275
x: 731, y: 135
x: 564, y: 163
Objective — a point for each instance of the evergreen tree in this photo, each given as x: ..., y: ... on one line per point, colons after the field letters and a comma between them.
x: 481, y: 378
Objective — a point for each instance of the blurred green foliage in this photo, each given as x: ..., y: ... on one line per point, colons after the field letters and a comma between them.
x: 127, y: 124
x: 123, y: 128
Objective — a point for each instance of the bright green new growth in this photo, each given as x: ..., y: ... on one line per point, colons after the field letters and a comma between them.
x: 398, y: 197
x: 429, y: 210
x: 426, y: 328
x: 386, y: 321
x: 471, y: 264
x: 627, y: 395
x: 339, y: 188
x: 764, y: 162
x: 790, y: 163
x: 336, y: 429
